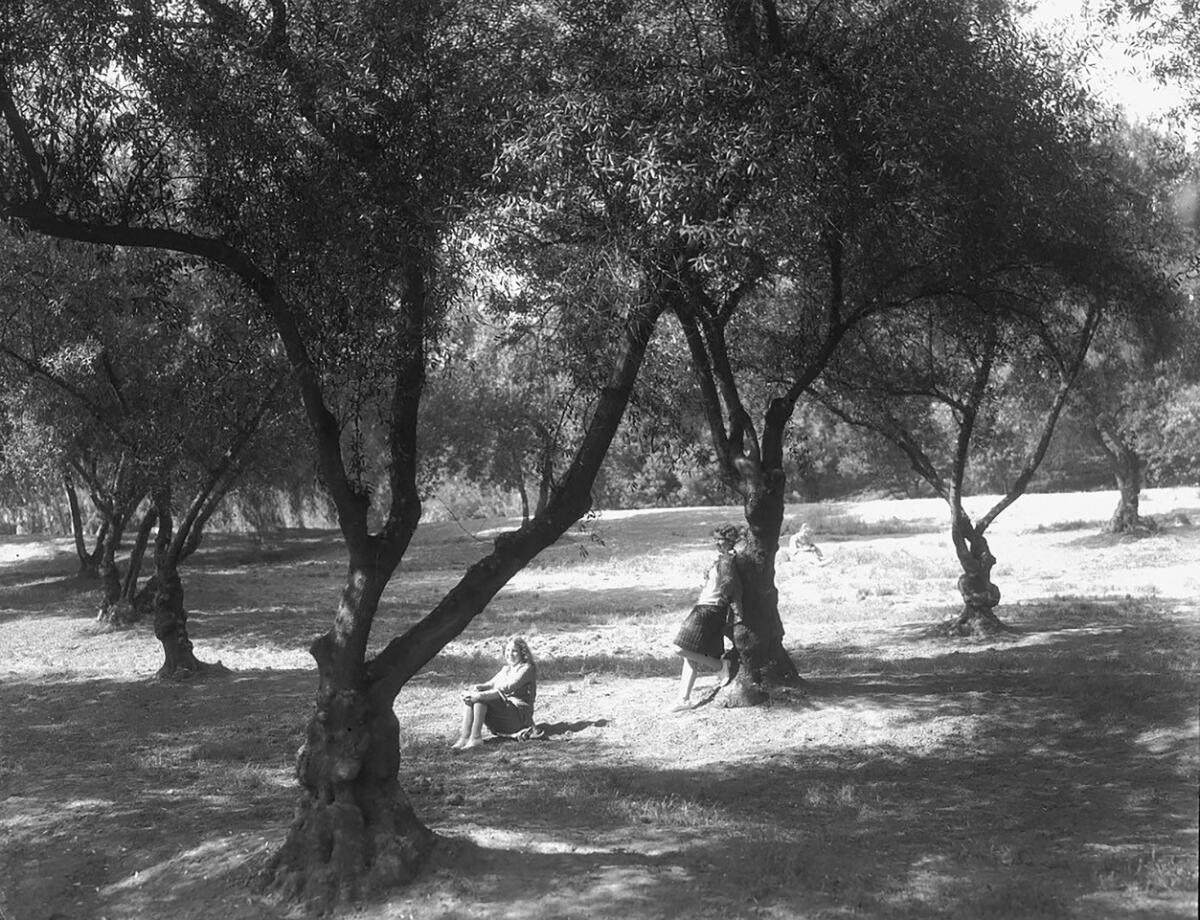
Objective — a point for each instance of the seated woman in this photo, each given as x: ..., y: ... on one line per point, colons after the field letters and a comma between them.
x: 505, y: 703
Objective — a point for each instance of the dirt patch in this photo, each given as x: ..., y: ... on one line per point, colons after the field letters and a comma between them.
x: 1051, y: 772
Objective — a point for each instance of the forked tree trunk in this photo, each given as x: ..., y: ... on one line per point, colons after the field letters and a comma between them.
x: 170, y: 628
x: 89, y: 560
x: 111, y: 609
x: 356, y: 830
x: 170, y: 615
x: 763, y: 663
x: 980, y: 596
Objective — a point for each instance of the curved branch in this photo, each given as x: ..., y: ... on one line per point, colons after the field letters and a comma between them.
x: 405, y: 655
x: 1069, y: 375
x: 350, y: 503
x: 37, y: 370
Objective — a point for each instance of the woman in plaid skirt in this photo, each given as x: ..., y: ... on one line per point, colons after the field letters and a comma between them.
x: 700, y: 640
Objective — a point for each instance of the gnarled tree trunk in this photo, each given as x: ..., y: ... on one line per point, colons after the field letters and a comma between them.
x: 980, y: 596
x: 112, y: 611
x: 356, y: 830
x: 170, y: 628
x: 170, y: 615
x: 763, y: 662
x: 1127, y: 471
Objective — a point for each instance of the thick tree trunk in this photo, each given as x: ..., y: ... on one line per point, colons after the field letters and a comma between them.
x: 112, y: 611
x: 1127, y: 471
x: 170, y: 628
x: 355, y: 830
x: 170, y: 616
x: 1127, y: 518
x: 763, y: 663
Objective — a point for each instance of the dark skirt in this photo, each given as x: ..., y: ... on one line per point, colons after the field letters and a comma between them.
x: 702, y: 630
x: 504, y: 717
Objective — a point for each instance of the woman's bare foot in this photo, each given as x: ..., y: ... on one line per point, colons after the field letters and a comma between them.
x: 471, y: 743
x: 724, y: 677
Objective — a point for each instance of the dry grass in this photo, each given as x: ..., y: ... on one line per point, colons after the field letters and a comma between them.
x: 1051, y: 772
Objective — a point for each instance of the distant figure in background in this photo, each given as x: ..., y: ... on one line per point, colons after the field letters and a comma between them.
x: 801, y: 542
x: 505, y: 703
x: 700, y: 640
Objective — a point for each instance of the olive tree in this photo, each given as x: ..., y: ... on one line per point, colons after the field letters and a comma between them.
x: 325, y: 156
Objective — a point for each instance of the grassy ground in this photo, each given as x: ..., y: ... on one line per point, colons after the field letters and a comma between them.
x: 1048, y: 773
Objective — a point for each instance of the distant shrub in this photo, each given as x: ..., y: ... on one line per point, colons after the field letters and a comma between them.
x: 837, y: 523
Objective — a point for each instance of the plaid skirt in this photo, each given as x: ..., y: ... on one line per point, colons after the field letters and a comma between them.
x: 505, y: 717
x: 701, y: 632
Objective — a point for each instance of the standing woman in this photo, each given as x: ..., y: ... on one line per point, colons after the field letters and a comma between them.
x: 700, y: 641
x: 505, y: 703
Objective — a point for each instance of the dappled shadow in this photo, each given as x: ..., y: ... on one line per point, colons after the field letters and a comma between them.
x: 1097, y: 661
x: 284, y: 547
x: 1168, y: 532
x: 109, y: 776
x: 54, y: 596
x: 1080, y: 759
x: 37, y: 579
x: 1067, y: 779
x: 979, y: 833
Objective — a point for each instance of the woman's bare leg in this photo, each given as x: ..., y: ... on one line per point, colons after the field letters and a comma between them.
x: 687, y: 679
x: 464, y: 731
x: 687, y: 675
x: 475, y: 725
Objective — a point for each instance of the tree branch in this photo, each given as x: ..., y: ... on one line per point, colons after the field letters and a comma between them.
x: 24, y: 141
x: 408, y: 653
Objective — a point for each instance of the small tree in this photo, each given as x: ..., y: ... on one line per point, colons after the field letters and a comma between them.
x: 1143, y: 359
x: 140, y: 379
x: 940, y: 382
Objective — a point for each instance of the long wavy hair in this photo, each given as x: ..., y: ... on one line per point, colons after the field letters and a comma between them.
x: 522, y: 648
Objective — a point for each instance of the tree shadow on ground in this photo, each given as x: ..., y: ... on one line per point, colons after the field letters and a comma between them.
x: 1097, y: 659
x: 1008, y: 835
x: 282, y: 547
x: 1168, y: 532
x: 102, y: 779
x: 1074, y: 787
x: 1081, y: 761
x: 70, y: 596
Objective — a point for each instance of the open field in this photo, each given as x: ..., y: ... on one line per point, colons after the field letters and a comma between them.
x: 1049, y: 773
